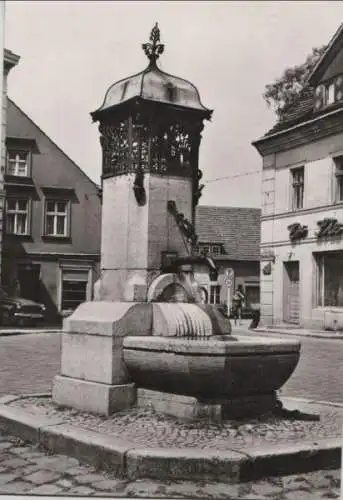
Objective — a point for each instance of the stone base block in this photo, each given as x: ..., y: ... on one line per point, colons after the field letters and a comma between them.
x: 94, y: 397
x: 190, y: 408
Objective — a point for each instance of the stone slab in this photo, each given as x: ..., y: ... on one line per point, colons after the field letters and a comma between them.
x: 107, y: 365
x: 292, y: 458
x: 17, y: 422
x: 181, y: 464
x: 100, y: 450
x: 110, y: 318
x: 84, y: 395
x: 190, y: 408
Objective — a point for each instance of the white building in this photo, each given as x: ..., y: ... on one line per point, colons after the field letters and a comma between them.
x: 302, y: 206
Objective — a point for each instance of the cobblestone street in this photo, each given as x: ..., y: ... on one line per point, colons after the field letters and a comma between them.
x: 24, y: 469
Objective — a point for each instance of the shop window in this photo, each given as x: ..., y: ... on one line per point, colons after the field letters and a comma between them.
x: 17, y: 216
x: 214, y: 294
x: 56, y: 218
x: 18, y: 162
x: 330, y: 279
x: 297, y: 188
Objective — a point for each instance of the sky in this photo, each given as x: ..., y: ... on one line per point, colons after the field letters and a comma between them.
x: 72, y: 51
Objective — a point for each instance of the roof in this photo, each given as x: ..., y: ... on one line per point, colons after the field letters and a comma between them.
x: 21, y: 126
x: 237, y: 229
x: 327, y: 57
x: 153, y: 84
x: 303, y: 108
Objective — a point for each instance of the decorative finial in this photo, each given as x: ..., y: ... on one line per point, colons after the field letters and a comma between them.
x: 154, y: 49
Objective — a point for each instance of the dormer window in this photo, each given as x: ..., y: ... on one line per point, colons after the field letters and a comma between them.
x: 329, y: 93
x: 18, y: 162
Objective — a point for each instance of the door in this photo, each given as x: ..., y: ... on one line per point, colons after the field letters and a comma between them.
x: 29, y: 281
x: 291, y: 299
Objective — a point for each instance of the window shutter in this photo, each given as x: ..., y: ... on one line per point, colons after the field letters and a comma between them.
x: 339, y: 89
x: 319, y: 97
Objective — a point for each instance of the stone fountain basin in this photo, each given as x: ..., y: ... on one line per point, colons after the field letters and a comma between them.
x: 213, y: 368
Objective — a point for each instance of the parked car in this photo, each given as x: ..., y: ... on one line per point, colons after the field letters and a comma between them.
x: 19, y: 311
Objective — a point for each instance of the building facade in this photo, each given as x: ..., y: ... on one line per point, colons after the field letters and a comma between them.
x: 10, y: 61
x: 51, y: 241
x: 230, y: 236
x: 302, y: 203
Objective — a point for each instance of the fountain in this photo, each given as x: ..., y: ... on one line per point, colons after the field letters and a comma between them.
x: 148, y: 341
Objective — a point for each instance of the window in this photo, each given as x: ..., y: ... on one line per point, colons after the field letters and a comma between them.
x: 204, y: 250
x: 17, y: 216
x: 74, y: 292
x: 214, y: 294
x: 18, y: 163
x: 330, y: 279
x: 56, y: 218
x: 330, y: 94
x: 339, y: 178
x: 215, y: 250
x: 297, y: 188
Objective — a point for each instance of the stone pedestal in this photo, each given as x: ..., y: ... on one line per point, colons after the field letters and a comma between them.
x: 135, y: 236
x: 191, y: 408
x: 93, y: 374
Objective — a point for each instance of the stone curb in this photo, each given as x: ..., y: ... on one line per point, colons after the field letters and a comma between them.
x: 126, y: 460
x: 328, y: 336
x: 10, y: 333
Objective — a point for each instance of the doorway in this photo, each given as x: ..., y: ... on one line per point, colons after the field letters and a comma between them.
x: 29, y: 281
x: 291, y: 296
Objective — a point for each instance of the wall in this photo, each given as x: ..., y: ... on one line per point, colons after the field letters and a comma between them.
x: 319, y: 197
x: 52, y: 168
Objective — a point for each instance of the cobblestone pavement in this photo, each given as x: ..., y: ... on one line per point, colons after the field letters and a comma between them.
x: 147, y: 428
x: 29, y: 362
x: 25, y: 469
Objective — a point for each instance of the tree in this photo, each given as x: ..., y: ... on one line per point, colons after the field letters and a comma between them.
x: 285, y: 90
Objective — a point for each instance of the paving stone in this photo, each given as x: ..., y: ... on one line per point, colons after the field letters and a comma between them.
x: 42, y: 477
x: 266, y: 488
x: 20, y: 450
x: 77, y: 471
x: 55, y: 461
x: 318, y: 479
x: 333, y: 493
x: 304, y: 495
x: 82, y: 490
x: 89, y: 478
x: 5, y: 445
x: 7, y: 478
x: 295, y: 482
x: 15, y: 487
x: 14, y: 463
x: 45, y: 489
x: 27, y: 469
x: 65, y: 483
x: 109, y: 485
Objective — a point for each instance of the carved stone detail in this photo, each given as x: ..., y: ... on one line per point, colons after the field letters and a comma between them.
x: 297, y: 231
x: 329, y: 227
x: 185, y: 226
